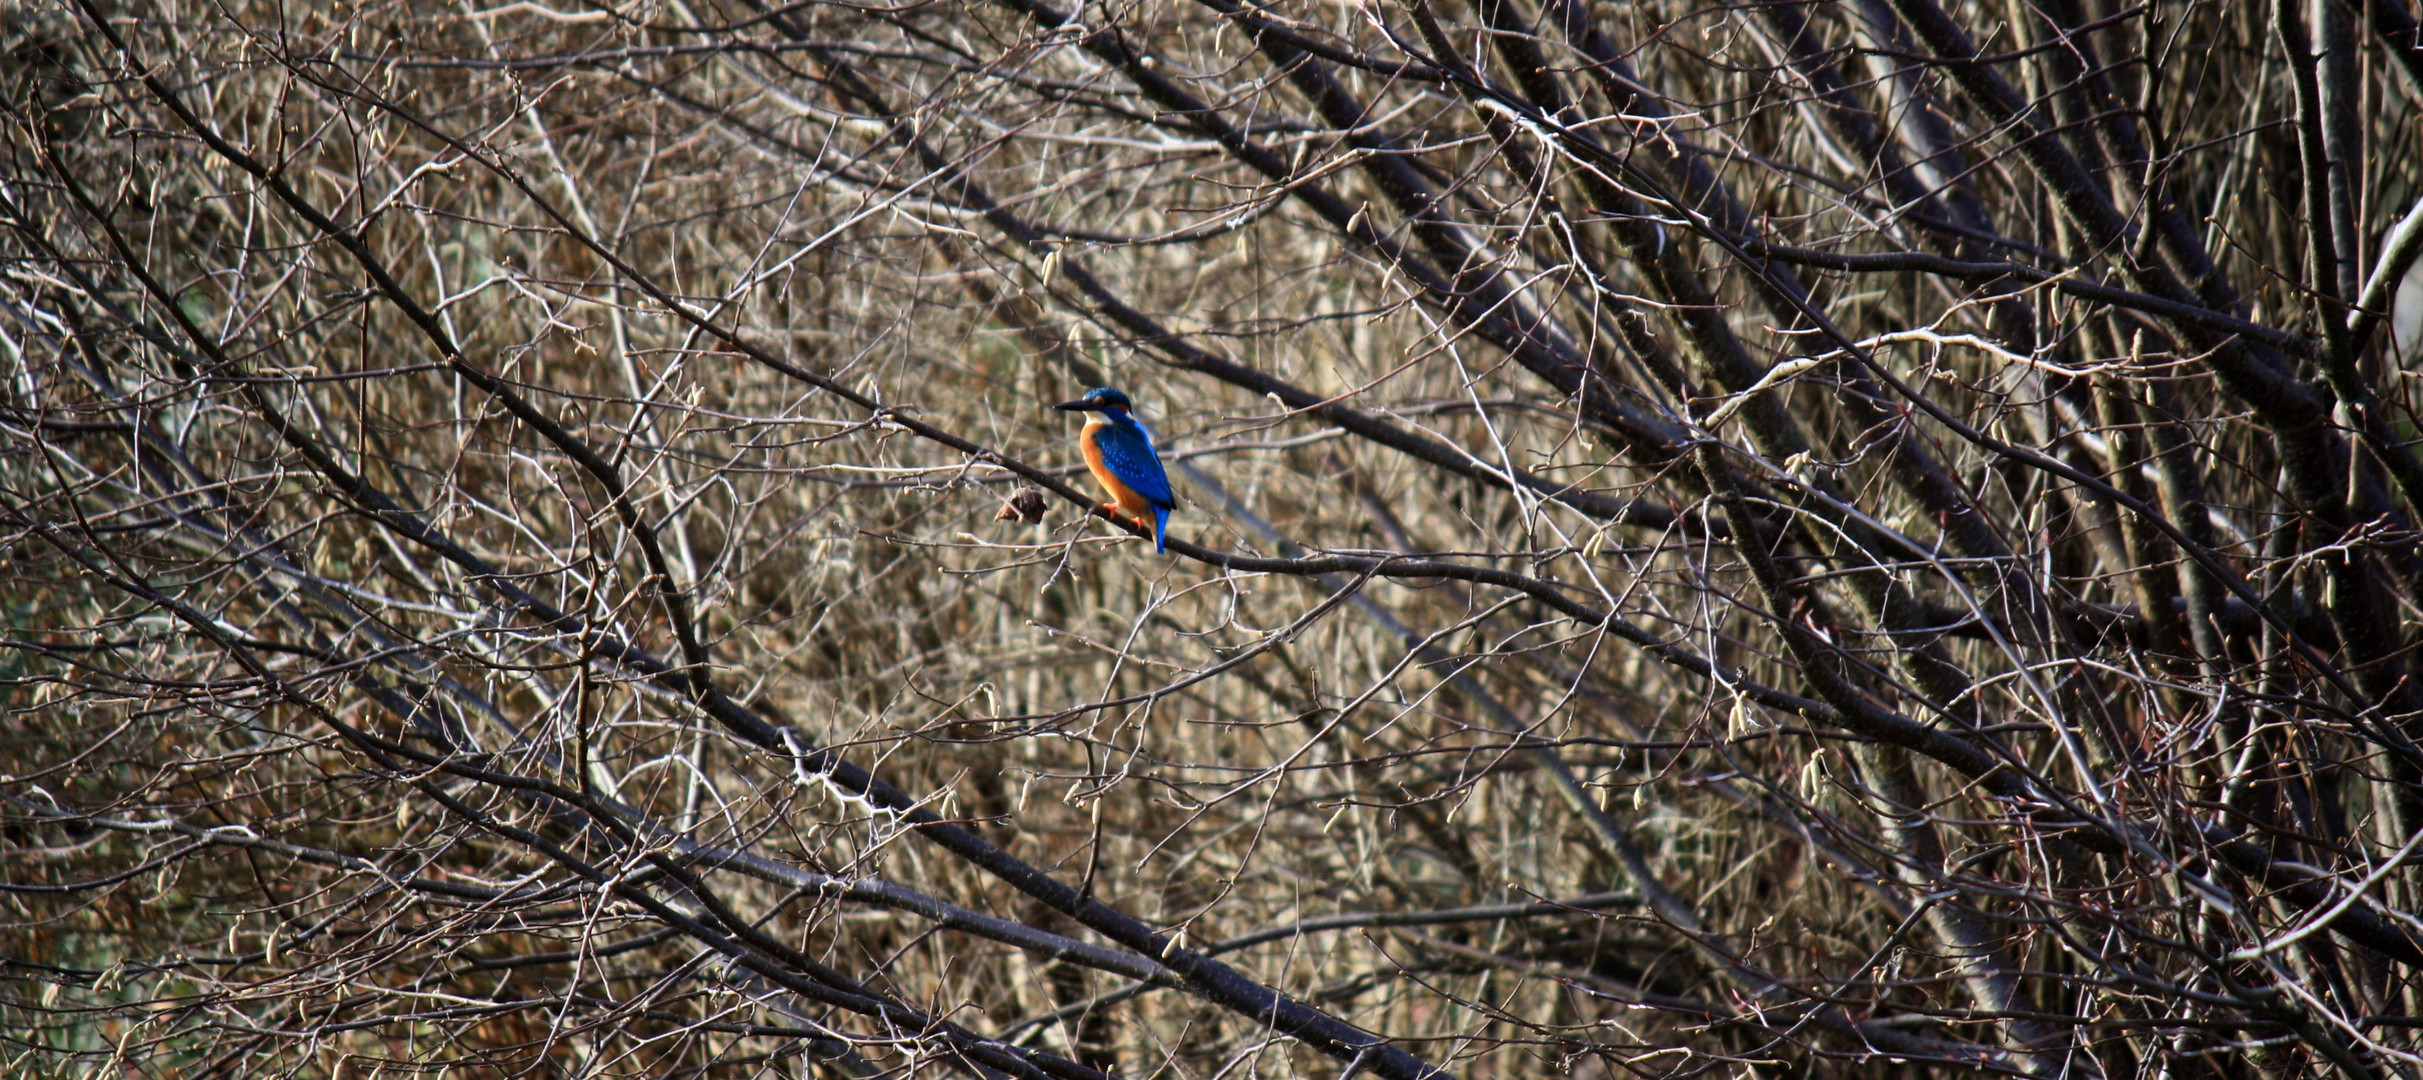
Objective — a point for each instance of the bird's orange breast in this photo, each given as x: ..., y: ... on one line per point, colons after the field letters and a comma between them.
x: 1130, y: 503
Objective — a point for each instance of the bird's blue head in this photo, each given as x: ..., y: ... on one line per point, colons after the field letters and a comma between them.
x: 1101, y: 399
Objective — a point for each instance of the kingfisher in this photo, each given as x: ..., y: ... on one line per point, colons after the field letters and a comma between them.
x: 1120, y: 452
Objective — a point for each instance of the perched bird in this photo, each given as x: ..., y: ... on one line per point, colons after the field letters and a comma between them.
x: 1120, y: 452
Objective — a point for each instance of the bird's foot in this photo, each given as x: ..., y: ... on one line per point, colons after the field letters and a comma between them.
x: 1117, y: 514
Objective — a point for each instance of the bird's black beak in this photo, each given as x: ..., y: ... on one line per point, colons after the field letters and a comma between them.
x: 1079, y: 405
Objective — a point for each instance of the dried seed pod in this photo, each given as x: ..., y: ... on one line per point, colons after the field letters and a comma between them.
x: 1025, y: 504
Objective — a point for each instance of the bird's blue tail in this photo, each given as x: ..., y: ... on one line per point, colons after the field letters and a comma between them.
x: 1160, y: 530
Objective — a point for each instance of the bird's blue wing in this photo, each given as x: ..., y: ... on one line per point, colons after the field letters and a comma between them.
x: 1128, y: 452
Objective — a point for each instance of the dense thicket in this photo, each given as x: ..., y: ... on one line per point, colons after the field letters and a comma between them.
x: 1780, y: 538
